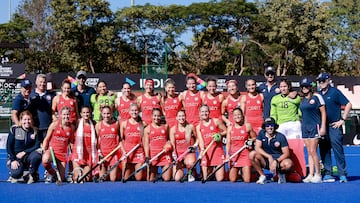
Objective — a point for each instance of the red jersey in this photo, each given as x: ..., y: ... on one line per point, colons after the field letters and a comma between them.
x: 70, y: 103
x: 171, y: 106
x: 60, y: 139
x: 157, y: 139
x: 238, y: 136
x: 192, y: 103
x: 108, y: 137
x: 180, y: 141
x: 214, y: 105
x: 123, y: 108
x: 147, y: 105
x: 132, y: 137
x: 215, y: 155
x: 231, y: 105
x: 254, y: 111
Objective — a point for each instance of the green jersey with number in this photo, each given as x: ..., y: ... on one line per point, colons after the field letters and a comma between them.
x: 284, y: 109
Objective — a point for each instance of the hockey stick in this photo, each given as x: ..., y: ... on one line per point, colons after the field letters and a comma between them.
x: 58, y: 181
x: 98, y: 163
x: 118, y: 162
x: 197, y: 161
x: 226, y: 161
x: 142, y: 167
x: 180, y: 158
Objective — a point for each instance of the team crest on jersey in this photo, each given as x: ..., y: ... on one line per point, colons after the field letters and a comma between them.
x: 112, y: 129
x: 32, y: 136
x: 127, y: 127
x: 277, y: 90
x: 258, y: 101
x: 122, y: 105
x: 211, y: 128
x: 162, y: 131
x: 196, y: 98
x: 242, y: 131
x: 71, y: 103
x: 177, y: 135
x: 138, y: 128
x: 214, y: 102
x: 58, y: 131
x: 312, y: 101
x: 67, y: 133
x: 154, y: 102
x: 174, y: 101
x: 48, y: 97
x: 277, y: 144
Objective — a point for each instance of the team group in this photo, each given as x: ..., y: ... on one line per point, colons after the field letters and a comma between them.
x: 78, y: 128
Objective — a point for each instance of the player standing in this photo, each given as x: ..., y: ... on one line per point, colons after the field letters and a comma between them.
x: 131, y: 132
x: 215, y: 155
x: 252, y: 106
x: 108, y: 139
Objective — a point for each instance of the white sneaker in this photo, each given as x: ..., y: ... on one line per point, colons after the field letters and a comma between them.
x: 308, y: 179
x: 191, y: 178
x: 282, y: 178
x: 31, y: 179
x: 316, y: 179
x: 261, y: 180
x: 49, y: 179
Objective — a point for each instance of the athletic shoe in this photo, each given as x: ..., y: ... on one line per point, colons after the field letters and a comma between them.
x: 31, y: 179
x: 316, y: 179
x: 49, y: 179
x: 10, y: 179
x: 343, y: 179
x: 69, y: 177
x: 282, y: 178
x: 308, y: 179
x: 14, y: 180
x: 191, y: 178
x: 328, y: 179
x: 261, y: 180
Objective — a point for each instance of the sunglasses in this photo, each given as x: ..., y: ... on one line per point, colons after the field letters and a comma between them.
x: 269, y: 73
x: 268, y: 125
x: 82, y: 77
x: 322, y: 81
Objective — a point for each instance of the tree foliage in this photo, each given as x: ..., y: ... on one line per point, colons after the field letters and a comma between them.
x: 228, y: 36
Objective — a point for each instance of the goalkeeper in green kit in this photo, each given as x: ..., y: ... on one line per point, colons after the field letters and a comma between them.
x: 285, y: 111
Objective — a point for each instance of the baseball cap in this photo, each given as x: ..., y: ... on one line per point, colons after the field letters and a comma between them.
x: 306, y: 82
x: 81, y: 72
x: 270, y: 121
x: 26, y: 83
x: 269, y: 69
x: 323, y: 76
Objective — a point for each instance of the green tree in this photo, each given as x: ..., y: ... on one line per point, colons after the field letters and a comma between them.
x: 344, y: 41
x: 295, y: 35
x: 15, y: 32
x: 86, y: 32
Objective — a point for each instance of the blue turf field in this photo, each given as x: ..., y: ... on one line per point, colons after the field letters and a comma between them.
x: 187, y: 192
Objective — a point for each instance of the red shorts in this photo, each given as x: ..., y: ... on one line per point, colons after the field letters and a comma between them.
x: 112, y: 159
x: 163, y: 160
x: 86, y: 160
x: 138, y: 156
x: 213, y: 157
x: 242, y: 159
x: 59, y: 156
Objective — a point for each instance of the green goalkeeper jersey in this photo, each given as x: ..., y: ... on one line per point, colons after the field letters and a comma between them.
x: 284, y: 109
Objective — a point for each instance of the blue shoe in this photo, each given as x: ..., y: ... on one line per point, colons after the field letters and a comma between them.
x: 343, y: 179
x: 328, y: 179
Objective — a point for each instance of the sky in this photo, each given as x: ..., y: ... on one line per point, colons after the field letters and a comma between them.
x: 114, y: 5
